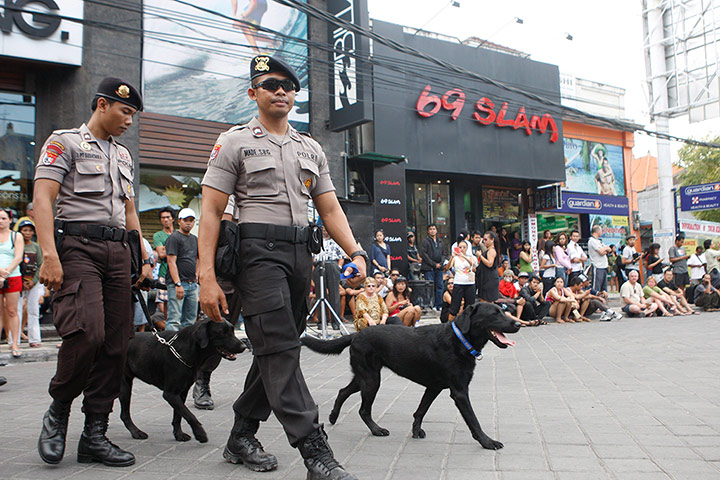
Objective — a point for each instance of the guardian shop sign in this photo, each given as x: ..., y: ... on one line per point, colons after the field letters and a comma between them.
x: 700, y: 197
x: 42, y: 30
x: 576, y: 202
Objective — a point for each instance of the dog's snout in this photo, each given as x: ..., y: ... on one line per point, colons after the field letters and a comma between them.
x: 517, y: 325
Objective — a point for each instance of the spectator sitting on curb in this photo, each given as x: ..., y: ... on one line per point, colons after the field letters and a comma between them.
x: 632, y: 295
x: 608, y: 313
x: 399, y: 303
x: 370, y: 309
x: 670, y: 287
x: 656, y: 294
x: 707, y: 296
x: 536, y: 307
x: 510, y: 301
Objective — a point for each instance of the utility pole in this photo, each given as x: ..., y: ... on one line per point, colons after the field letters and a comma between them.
x: 658, y: 67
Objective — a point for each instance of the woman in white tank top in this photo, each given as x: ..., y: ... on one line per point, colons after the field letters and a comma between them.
x: 11, y: 252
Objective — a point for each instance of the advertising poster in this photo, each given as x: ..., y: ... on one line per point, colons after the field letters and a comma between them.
x: 592, y: 167
x: 615, y: 229
x: 390, y: 212
x: 196, y: 60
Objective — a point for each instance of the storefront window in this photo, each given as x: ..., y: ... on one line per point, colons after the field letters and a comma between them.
x: 501, y: 208
x: 430, y: 203
x: 17, y: 147
x: 160, y: 190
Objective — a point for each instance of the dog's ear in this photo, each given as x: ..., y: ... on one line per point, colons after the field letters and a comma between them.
x: 464, y: 320
x: 201, y: 334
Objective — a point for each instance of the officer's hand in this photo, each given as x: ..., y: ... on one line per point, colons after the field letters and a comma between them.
x: 145, y: 273
x: 211, y: 295
x: 51, y: 273
x: 359, y: 278
x: 179, y: 292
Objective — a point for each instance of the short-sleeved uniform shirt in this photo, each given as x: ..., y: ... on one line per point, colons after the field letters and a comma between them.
x: 95, y: 181
x: 271, y: 177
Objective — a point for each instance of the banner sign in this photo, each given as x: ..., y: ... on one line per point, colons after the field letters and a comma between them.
x: 592, y: 167
x: 390, y: 212
x: 575, y: 202
x: 698, y: 227
x: 700, y: 197
x: 350, y: 75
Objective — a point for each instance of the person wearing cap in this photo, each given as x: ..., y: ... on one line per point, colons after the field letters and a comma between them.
x: 84, y: 203
x: 29, y: 215
x: 273, y: 171
x: 32, y: 290
x: 181, y: 249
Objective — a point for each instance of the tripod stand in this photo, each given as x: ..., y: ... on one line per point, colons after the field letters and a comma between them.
x: 325, y: 306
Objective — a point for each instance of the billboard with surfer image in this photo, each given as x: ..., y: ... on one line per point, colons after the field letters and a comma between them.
x: 593, y: 167
x: 196, y: 56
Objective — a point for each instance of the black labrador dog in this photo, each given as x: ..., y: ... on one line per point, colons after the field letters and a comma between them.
x: 154, y: 363
x: 433, y: 356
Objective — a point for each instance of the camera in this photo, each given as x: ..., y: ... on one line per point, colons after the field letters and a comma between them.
x: 5, y: 284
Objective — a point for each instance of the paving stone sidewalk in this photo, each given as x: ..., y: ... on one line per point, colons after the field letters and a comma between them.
x: 629, y: 399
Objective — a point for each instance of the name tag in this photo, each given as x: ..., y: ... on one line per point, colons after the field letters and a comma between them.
x: 256, y: 152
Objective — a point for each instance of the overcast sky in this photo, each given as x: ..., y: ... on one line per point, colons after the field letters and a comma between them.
x: 607, y: 45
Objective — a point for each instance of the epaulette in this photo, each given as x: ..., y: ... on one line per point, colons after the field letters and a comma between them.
x: 122, y: 145
x: 307, y: 134
x: 69, y: 130
x: 236, y: 128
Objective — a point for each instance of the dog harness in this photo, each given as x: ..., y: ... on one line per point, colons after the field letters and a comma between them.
x: 477, y: 354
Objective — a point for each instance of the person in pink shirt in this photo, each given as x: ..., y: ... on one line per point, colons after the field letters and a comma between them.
x: 561, y: 257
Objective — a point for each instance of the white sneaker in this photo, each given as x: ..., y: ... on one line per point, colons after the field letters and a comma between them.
x: 617, y: 315
x: 605, y: 317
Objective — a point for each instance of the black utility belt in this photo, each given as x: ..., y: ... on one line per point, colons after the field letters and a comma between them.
x: 90, y: 231
x: 270, y: 232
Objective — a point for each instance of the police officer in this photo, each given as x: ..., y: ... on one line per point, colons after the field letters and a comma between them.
x: 273, y: 171
x: 91, y: 176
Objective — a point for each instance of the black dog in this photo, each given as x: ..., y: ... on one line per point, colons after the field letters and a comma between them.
x: 154, y: 363
x: 432, y: 356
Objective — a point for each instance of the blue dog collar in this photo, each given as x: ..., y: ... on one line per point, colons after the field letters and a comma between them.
x: 466, y: 344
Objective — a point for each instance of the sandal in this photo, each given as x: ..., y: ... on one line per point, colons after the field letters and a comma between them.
x: 16, y: 353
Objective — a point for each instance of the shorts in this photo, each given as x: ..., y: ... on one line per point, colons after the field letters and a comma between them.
x: 681, y: 279
x: 626, y: 310
x: 162, y: 296
x: 14, y: 285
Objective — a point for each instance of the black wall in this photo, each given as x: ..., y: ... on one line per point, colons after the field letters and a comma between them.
x: 439, y: 144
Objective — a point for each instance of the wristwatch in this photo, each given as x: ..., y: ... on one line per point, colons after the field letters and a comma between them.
x: 147, y: 261
x: 360, y: 253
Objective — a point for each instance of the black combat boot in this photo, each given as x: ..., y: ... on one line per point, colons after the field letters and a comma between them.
x: 94, y: 446
x: 51, y: 444
x: 201, y: 392
x: 319, y: 459
x: 243, y: 448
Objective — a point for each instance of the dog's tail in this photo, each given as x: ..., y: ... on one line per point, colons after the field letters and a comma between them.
x: 328, y: 347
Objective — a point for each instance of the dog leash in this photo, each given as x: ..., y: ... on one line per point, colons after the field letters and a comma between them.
x: 168, y: 343
x: 478, y: 355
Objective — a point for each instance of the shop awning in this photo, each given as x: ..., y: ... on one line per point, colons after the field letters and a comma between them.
x: 378, y: 157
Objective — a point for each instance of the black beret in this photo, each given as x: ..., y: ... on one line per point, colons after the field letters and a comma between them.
x: 262, y: 64
x: 116, y: 89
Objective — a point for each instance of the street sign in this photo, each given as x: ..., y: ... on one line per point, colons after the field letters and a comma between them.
x: 700, y: 197
x: 548, y: 198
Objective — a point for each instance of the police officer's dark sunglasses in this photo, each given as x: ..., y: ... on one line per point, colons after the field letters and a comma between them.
x: 272, y: 84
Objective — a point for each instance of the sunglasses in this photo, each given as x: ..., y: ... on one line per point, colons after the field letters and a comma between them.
x: 370, y: 286
x: 273, y: 84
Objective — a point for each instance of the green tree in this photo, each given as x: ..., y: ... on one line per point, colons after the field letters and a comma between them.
x: 701, y: 165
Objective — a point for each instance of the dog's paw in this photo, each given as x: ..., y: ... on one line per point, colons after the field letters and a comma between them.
x: 201, y: 436
x: 491, y: 444
x: 380, y: 432
x: 139, y: 435
x: 182, y: 436
x: 418, y: 433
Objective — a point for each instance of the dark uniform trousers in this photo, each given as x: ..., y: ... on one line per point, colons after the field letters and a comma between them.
x: 92, y: 312
x: 274, y: 284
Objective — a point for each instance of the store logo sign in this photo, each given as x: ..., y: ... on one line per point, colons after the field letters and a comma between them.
x: 42, y: 26
x: 584, y: 203
x: 703, y: 189
x: 389, y: 201
x: 393, y: 239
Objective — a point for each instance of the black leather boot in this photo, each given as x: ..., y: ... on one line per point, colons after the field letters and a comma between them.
x: 243, y: 448
x: 319, y: 459
x: 94, y: 446
x: 201, y: 392
x: 51, y: 444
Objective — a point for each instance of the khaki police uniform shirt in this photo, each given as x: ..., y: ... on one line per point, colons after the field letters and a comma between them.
x: 272, y: 178
x: 94, y: 184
